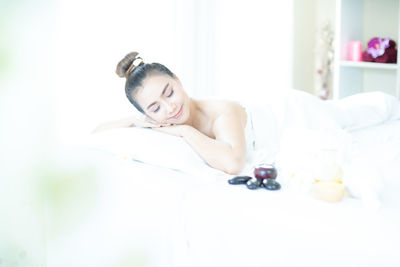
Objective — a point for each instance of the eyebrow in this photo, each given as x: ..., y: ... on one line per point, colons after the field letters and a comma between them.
x: 165, y: 88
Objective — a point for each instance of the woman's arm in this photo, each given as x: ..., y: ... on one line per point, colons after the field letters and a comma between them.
x: 131, y: 121
x: 227, y: 152
x: 126, y: 122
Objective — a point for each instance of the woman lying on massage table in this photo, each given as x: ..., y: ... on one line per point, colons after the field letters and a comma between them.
x: 215, y: 129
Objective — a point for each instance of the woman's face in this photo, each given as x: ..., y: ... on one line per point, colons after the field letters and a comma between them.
x: 162, y: 99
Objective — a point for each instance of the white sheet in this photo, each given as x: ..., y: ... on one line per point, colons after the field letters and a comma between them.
x: 146, y: 215
x: 308, y: 126
x: 238, y: 227
x: 169, y: 218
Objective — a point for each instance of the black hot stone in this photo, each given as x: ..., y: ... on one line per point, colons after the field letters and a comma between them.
x: 239, y: 180
x: 253, y: 183
x: 271, y: 184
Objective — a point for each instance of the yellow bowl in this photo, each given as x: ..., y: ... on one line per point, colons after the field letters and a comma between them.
x: 330, y: 191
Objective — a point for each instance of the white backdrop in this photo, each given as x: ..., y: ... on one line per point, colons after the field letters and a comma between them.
x: 229, y: 49
x: 65, y: 52
x: 59, y: 81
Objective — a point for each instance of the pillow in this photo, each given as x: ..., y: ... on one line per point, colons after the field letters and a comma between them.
x: 303, y: 110
x: 151, y: 147
x: 367, y: 109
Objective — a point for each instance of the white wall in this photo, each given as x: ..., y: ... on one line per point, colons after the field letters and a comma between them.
x: 309, y: 18
x: 93, y: 36
x: 231, y: 49
x: 254, y: 48
x: 304, y: 30
x: 234, y: 49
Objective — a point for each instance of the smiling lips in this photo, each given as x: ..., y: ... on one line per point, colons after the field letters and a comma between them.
x: 177, y: 115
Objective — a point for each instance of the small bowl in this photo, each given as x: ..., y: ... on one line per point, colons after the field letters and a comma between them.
x: 329, y: 191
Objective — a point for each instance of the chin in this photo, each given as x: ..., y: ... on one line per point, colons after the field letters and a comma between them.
x: 185, y: 115
x: 182, y: 120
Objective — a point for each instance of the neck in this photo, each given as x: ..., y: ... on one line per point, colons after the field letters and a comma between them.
x: 193, y: 112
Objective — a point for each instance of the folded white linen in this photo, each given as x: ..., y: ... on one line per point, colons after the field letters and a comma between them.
x: 291, y: 128
x: 367, y: 160
x: 309, y: 127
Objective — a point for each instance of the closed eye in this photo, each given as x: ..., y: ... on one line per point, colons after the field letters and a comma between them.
x: 172, y: 92
x: 157, y: 109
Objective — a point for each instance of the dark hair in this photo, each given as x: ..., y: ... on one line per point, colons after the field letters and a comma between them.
x: 136, y: 74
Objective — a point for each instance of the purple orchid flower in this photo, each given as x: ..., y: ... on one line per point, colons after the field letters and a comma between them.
x: 377, y: 46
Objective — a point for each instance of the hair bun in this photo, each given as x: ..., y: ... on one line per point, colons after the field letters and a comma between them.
x: 128, y: 64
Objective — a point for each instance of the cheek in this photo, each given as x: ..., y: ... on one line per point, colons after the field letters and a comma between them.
x: 159, y: 117
x: 181, y: 98
x: 179, y: 94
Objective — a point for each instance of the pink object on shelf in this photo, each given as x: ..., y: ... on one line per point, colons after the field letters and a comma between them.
x: 355, y: 51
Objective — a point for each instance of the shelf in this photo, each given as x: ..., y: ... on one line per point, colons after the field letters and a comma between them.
x: 362, y: 20
x: 369, y: 65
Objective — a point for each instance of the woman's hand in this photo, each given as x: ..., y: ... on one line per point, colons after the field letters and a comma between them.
x: 177, y: 130
x: 108, y: 126
x: 153, y: 124
x: 132, y: 121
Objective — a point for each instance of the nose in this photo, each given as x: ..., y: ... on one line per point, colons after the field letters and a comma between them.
x: 171, y: 108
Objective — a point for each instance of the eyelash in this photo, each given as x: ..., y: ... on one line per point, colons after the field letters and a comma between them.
x: 156, y: 110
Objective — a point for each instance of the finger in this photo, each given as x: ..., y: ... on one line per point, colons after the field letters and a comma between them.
x: 151, y: 125
x: 159, y: 129
x: 148, y: 125
x: 98, y: 129
x: 154, y: 123
x: 150, y: 120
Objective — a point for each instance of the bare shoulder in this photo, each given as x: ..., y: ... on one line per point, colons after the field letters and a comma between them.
x: 223, y: 109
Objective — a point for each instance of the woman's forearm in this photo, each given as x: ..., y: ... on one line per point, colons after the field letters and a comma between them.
x: 126, y: 122
x: 217, y: 154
